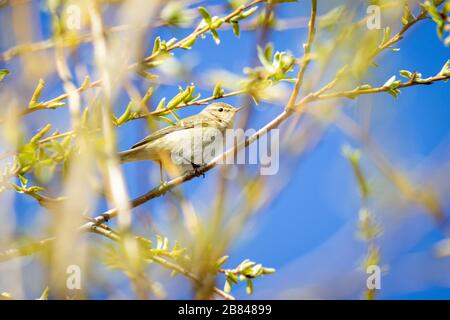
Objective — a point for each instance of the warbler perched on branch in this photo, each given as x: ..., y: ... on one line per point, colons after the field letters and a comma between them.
x: 189, y: 144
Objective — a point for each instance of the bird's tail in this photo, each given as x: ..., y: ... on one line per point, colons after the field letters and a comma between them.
x: 127, y: 156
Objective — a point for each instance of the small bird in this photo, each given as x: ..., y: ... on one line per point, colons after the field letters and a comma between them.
x: 187, y: 142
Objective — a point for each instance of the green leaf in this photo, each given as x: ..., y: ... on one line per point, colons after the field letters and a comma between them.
x: 264, y: 57
x: 394, y: 92
x: 205, y: 14
x: 386, y: 35
x: 249, y: 288
x: 126, y: 115
x: 215, y: 36
x: 257, y: 270
x: 167, y: 120
x: 3, y: 74
x: 157, y: 44
x: 227, y: 286
x: 56, y: 105
x: 216, y: 23
x: 246, y: 264
x: 268, y: 270
x: 147, y: 96
x: 329, y: 20
x: 245, y: 14
x: 23, y: 181
x: 171, y: 42
x: 161, y: 105
x: 37, y: 94
x: 407, y: 15
x: 183, y: 96
x: 236, y: 29
x: 222, y: 261
x: 389, y: 82
x: 147, y: 75
x: 445, y: 69
x: 218, y: 91
x: 233, y: 278
x: 188, y: 43
x: 268, y: 51
x: 406, y: 74
x: 363, y: 87
x: 174, y: 114
x: 40, y: 134
x: 44, y: 295
x: 248, y: 12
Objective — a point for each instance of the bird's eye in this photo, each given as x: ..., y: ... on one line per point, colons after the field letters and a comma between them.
x: 220, y: 109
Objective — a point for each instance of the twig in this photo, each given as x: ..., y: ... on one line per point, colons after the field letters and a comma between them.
x: 181, y: 270
x: 84, y: 87
x: 306, y: 55
x: 201, y: 31
x: 163, y: 262
x: 46, y: 44
x: 50, y: 43
x: 26, y: 250
x: 192, y: 103
x: 162, y: 189
x: 399, y: 35
x: 351, y: 94
x: 111, y: 234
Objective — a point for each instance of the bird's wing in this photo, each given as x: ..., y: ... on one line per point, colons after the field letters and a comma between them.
x: 186, y: 123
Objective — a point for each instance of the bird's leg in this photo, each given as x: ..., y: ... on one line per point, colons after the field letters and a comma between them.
x: 195, y: 167
x: 161, y: 178
x: 162, y: 183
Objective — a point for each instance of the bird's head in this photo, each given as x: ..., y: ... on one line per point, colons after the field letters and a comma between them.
x: 220, y: 112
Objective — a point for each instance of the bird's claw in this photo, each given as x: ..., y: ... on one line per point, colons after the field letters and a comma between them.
x: 196, y: 170
x: 163, y: 186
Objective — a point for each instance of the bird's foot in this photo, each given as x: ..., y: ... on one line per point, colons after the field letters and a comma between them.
x: 196, y: 170
x: 163, y: 186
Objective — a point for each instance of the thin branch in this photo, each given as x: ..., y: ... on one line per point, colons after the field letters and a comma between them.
x: 188, y: 274
x: 192, y: 103
x: 138, y: 116
x: 202, y: 30
x: 162, y: 189
x: 86, y: 86
x: 50, y: 43
x: 48, y: 104
x: 399, y: 35
x: 314, y: 96
x: 26, y: 250
x: 111, y: 234
x: 351, y: 94
x: 306, y: 55
x: 26, y: 48
x: 57, y: 136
